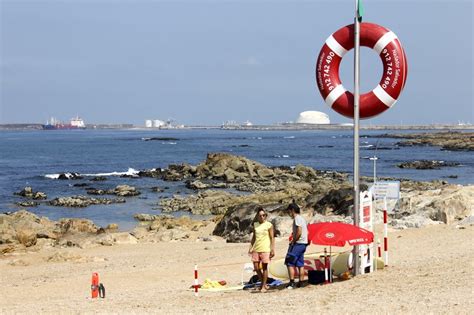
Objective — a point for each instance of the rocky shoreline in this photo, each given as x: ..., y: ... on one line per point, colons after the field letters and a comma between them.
x: 449, y: 140
x: 323, y: 196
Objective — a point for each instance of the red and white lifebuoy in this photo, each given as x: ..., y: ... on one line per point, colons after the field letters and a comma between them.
x: 395, y: 67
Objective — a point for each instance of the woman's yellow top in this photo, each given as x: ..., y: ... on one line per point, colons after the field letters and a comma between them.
x: 262, y: 237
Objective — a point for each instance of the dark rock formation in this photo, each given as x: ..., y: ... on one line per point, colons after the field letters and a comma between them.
x: 426, y: 164
x: 451, y: 140
x: 120, y: 190
x: 236, y: 225
x: 28, y: 192
x: 64, y: 176
x: 82, y: 201
x: 27, y: 204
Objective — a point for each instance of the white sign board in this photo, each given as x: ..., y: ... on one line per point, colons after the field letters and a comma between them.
x: 366, y: 215
x: 388, y: 189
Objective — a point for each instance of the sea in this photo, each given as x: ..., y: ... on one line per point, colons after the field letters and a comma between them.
x: 35, y: 158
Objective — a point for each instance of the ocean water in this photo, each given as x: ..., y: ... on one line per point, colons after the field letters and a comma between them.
x: 29, y: 158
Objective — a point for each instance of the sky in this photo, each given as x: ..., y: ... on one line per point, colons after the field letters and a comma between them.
x: 204, y: 62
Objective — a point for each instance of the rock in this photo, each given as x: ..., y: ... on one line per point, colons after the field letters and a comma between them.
x: 160, y: 139
x: 448, y: 204
x: 265, y: 172
x: 80, y: 185
x: 336, y: 201
x: 124, y: 238
x: 206, y: 202
x: 26, y: 237
x: 413, y: 221
x: 27, y: 204
x: 218, y: 202
x: 450, y: 140
x: 237, y: 223
x: 98, y: 192
x: 155, y: 173
x: 39, y: 195
x: 23, y: 227
x: 426, y: 164
x: 126, y: 191
x: 142, y: 233
x: 223, y: 165
x: 157, y: 189
x: 82, y: 201
x: 65, y: 176
x: 454, y: 205
x: 305, y: 173
x: 151, y: 217
x: 77, y: 226
x: 112, y: 227
x: 28, y: 192
x: 120, y: 190
x: 197, y: 184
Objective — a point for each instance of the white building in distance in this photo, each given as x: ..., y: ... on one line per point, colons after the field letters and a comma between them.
x: 155, y: 123
x: 313, y: 117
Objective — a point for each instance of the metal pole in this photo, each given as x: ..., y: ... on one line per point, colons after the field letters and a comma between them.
x: 356, y: 262
x: 374, y: 158
x: 375, y: 169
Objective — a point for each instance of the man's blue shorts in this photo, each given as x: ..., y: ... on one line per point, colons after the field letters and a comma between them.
x: 295, y: 255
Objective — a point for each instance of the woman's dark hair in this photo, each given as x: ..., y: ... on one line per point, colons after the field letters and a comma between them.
x: 258, y: 211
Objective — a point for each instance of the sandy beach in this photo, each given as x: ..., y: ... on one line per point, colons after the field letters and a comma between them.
x: 430, y: 271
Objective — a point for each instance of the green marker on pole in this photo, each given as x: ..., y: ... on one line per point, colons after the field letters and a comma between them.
x: 360, y: 10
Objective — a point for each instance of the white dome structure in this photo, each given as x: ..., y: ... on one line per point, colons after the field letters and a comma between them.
x: 313, y: 117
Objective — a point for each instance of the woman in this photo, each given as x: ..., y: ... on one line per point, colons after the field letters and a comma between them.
x: 262, y: 246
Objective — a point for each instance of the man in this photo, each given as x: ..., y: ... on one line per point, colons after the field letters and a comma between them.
x: 295, y: 256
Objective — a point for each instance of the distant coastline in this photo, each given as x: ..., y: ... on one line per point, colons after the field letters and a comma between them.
x: 35, y: 126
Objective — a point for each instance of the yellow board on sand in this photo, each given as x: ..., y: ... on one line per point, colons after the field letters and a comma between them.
x: 340, y: 263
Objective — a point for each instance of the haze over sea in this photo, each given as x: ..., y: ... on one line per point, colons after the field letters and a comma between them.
x: 29, y: 156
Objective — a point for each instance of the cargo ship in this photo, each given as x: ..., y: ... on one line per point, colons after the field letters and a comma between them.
x: 54, y: 124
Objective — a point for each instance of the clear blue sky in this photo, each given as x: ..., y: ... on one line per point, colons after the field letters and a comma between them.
x: 205, y: 62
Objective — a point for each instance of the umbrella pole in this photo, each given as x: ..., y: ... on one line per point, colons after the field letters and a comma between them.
x: 330, y: 265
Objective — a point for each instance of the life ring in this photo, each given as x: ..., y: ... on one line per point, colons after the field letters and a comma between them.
x: 395, y: 67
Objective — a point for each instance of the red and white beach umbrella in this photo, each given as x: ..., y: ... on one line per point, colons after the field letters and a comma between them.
x: 338, y: 234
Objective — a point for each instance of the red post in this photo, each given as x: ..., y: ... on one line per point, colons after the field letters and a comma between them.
x: 385, y: 233
x: 196, y: 283
x: 95, y: 285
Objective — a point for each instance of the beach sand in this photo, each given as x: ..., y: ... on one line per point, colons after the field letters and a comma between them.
x: 431, y: 270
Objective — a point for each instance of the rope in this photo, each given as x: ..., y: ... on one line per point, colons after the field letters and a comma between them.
x: 240, y: 263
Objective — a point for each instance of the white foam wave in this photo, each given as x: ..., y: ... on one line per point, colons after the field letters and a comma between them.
x: 130, y: 172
